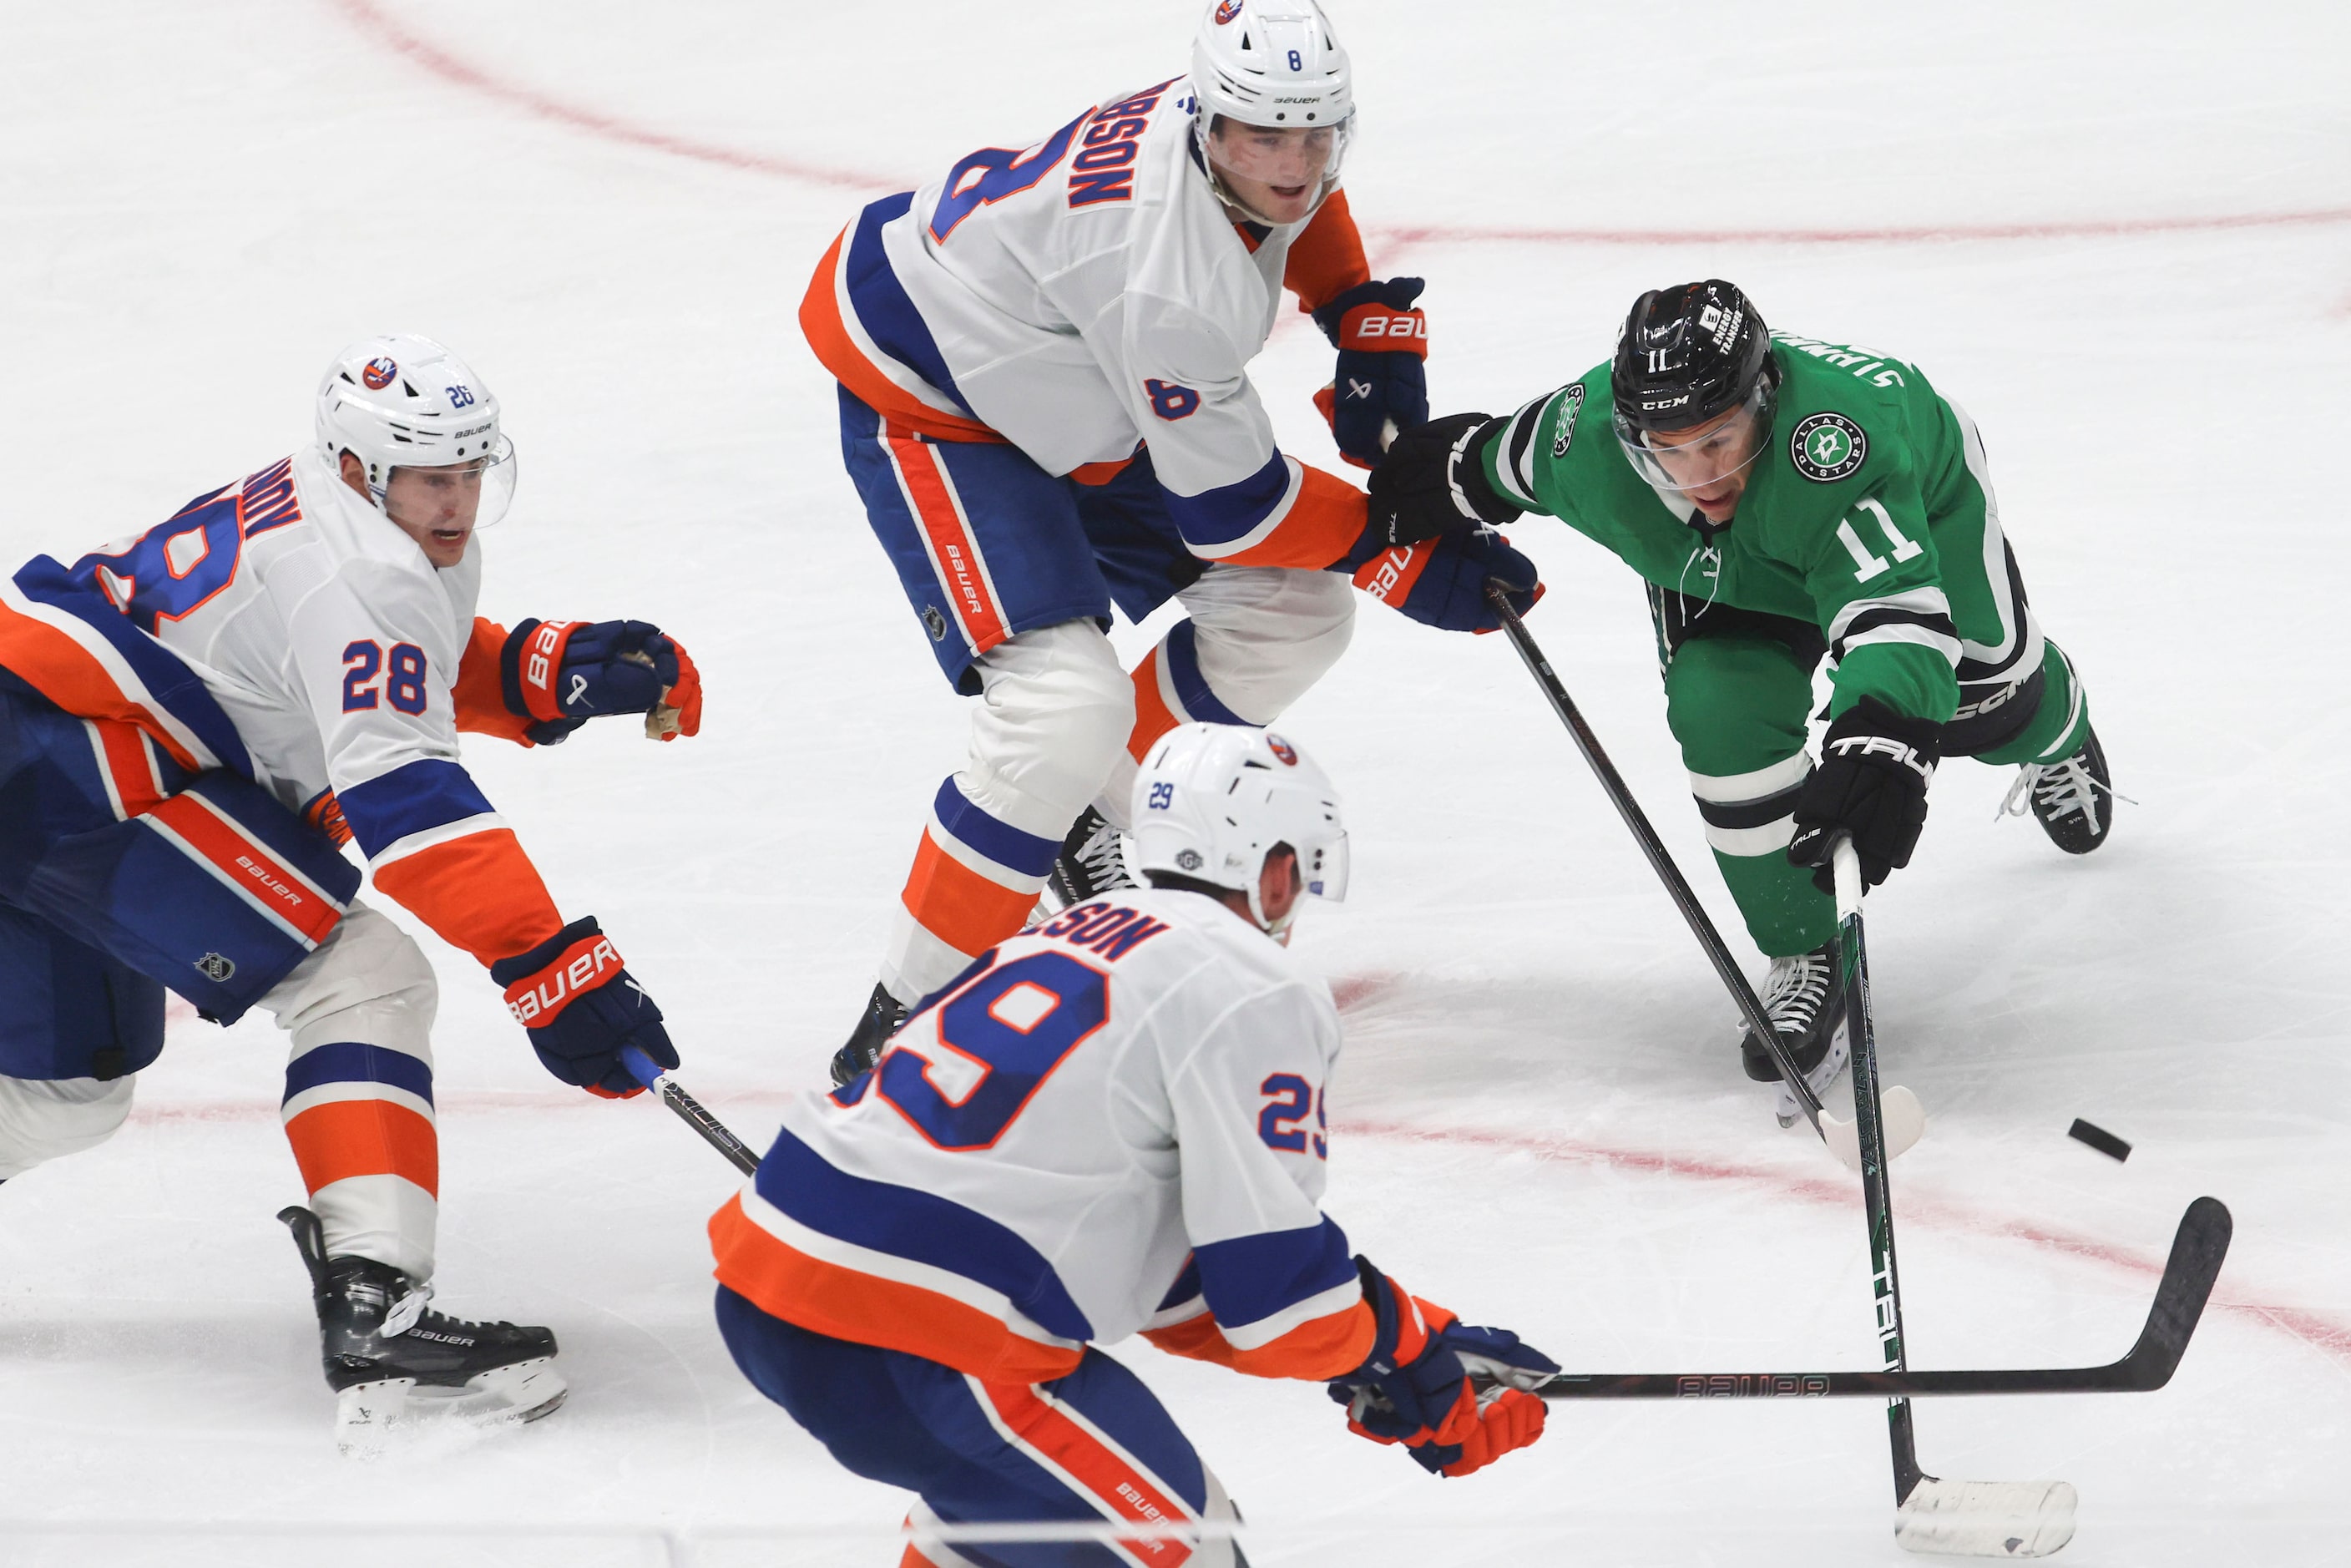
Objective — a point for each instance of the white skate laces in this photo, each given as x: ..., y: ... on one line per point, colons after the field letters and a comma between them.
x: 2053, y: 791
x: 405, y: 1312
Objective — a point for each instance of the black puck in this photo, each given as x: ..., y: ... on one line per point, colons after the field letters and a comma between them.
x: 2099, y: 1138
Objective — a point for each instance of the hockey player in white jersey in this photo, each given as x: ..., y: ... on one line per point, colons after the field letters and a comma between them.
x: 1113, y: 1123
x: 1046, y: 408
x: 195, y: 719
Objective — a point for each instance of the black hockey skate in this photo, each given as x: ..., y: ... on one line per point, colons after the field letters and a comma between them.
x: 884, y: 1014
x: 2074, y: 801
x: 1089, y: 863
x: 382, y: 1349
x: 1804, y: 999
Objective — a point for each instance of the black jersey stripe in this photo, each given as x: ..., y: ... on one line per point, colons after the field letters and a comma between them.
x: 1877, y: 619
x: 1758, y: 813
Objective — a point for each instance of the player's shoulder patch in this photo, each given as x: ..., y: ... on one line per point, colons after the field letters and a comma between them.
x: 1827, y: 446
x: 1570, y: 404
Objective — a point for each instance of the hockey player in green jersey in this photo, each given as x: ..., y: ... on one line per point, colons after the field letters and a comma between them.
x: 1788, y: 500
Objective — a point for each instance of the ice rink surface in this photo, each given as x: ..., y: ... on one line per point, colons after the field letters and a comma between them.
x: 2120, y: 234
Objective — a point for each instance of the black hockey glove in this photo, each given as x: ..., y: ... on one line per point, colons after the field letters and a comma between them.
x: 1432, y: 481
x: 1872, y: 784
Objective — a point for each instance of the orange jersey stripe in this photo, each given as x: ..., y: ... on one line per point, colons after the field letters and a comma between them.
x: 63, y: 671
x: 1323, y: 524
x: 1121, y: 1490
x: 867, y: 1309
x: 1327, y: 258
x: 285, y: 891
x: 479, y: 893
x: 365, y: 1137
x: 1153, y: 716
x: 1317, y: 1350
x: 481, y: 700
x: 960, y: 907
x: 1198, y: 1339
x: 822, y: 324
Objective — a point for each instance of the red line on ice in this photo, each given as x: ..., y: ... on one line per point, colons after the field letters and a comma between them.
x: 2318, y: 1332
x: 369, y: 17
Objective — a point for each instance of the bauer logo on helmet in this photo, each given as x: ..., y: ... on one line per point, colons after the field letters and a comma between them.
x: 379, y: 373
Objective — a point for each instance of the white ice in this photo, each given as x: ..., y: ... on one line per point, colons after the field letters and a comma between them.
x: 611, y: 210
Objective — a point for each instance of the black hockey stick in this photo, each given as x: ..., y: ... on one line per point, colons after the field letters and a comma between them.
x: 1702, y: 924
x: 2196, y: 1255
x: 690, y: 1110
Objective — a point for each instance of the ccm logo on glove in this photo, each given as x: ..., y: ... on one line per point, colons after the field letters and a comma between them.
x: 584, y: 965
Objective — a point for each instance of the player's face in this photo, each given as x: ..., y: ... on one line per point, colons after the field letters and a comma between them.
x: 437, y: 507
x: 1709, y: 462
x: 1277, y: 174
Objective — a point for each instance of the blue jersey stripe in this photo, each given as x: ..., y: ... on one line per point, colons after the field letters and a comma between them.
x: 430, y: 792
x: 879, y: 300
x: 169, y: 680
x: 346, y: 1062
x: 1219, y: 516
x: 1191, y: 685
x: 920, y: 1227
x: 997, y: 840
x: 1251, y: 1278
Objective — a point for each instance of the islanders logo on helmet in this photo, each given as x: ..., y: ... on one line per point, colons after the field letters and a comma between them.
x: 379, y: 373
x: 1281, y: 748
x: 1228, y: 11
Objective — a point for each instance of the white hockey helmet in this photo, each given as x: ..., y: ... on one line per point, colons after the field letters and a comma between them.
x: 1276, y: 64
x: 1211, y: 800
x: 404, y: 401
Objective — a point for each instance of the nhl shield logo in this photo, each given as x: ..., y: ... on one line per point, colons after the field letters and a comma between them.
x: 379, y: 373
x: 216, y: 967
x: 935, y: 623
x: 1825, y: 447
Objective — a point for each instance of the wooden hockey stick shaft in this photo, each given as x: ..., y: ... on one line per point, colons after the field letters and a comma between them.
x: 1619, y: 795
x: 689, y: 1109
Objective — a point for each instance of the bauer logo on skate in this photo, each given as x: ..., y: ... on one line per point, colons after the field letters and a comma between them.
x: 584, y: 965
x: 379, y: 373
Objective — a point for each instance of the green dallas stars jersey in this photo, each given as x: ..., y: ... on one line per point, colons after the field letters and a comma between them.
x: 1861, y: 517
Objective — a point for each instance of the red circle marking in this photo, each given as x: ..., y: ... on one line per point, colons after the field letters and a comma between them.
x: 370, y: 17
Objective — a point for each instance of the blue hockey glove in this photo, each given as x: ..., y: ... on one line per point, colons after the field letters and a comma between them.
x: 582, y: 1008
x: 1416, y: 1387
x: 561, y: 673
x: 1380, y: 385
x: 1441, y: 582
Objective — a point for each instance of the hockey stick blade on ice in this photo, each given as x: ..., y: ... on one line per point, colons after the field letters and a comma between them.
x: 1904, y: 1119
x: 2197, y: 1253
x: 689, y: 1109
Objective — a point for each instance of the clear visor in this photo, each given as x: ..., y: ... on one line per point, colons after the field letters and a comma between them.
x: 1323, y: 868
x: 1681, y: 461
x: 473, y: 495
x: 1279, y: 174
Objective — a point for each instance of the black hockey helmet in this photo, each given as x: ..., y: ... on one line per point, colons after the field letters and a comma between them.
x: 1687, y: 354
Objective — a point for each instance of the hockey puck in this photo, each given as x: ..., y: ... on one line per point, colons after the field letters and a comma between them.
x: 2099, y: 1138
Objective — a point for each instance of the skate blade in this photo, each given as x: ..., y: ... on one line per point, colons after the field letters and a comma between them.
x: 371, y: 1418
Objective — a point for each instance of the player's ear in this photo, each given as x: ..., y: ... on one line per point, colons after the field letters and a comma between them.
x: 354, y: 472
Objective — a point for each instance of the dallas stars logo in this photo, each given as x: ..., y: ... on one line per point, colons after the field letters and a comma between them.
x: 1826, y: 447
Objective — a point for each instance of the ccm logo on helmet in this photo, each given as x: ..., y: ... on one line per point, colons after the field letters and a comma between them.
x: 379, y: 373
x: 584, y: 970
